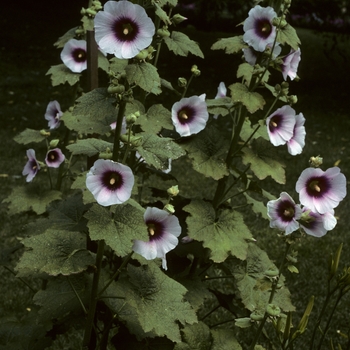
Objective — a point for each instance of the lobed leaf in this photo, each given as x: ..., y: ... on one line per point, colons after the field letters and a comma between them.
x: 90, y: 147
x: 230, y: 45
x: 288, y: 35
x: 70, y: 34
x: 221, y: 105
x: 224, y: 339
x: 157, y: 118
x: 28, y: 136
x: 259, y: 130
x: 60, y: 74
x: 196, y: 337
x: 251, y: 100
x: 181, y: 45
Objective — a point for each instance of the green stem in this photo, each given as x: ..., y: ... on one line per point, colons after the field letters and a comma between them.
x: 187, y: 85
x: 93, y: 296
x: 118, y: 128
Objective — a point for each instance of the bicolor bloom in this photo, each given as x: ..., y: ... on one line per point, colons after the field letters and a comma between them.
x: 250, y: 55
x: 74, y: 55
x: 163, y: 230
x: 284, y: 213
x: 32, y: 167
x: 297, y: 142
x: 53, y: 114
x: 258, y: 27
x: 123, y: 29
x: 312, y: 223
x: 280, y: 125
x: 321, y: 191
x: 54, y: 158
x: 110, y: 182
x: 290, y: 64
x: 190, y: 115
x: 222, y: 91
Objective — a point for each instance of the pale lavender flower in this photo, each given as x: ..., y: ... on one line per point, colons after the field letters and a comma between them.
x: 163, y: 230
x: 74, y: 55
x: 123, y: 29
x: 321, y: 191
x: 284, y: 213
x: 32, y: 167
x: 280, y: 125
x: 297, y: 142
x: 110, y: 182
x: 312, y: 223
x: 54, y: 158
x: 190, y: 115
x: 250, y: 55
x: 53, y: 114
x: 258, y: 27
x: 290, y: 64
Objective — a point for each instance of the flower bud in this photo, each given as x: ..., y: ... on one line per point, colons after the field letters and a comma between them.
x: 257, y: 316
x: 163, y: 32
x: 142, y: 55
x: 173, y: 191
x: 316, y: 161
x: 273, y: 310
x: 43, y: 132
x: 118, y: 89
x: 54, y: 143
x: 176, y: 19
x: 83, y: 11
x: 91, y: 12
x: 136, y: 141
x: 182, y: 82
x: 105, y: 155
x: 271, y: 273
x: 131, y: 119
x: 169, y: 208
x: 79, y: 31
x: 293, y: 99
x: 195, y: 71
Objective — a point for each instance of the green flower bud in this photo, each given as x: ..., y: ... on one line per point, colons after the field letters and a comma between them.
x: 163, y: 33
x: 169, y: 208
x: 136, y: 141
x: 142, y: 55
x: 43, y: 132
x: 119, y: 89
x: 182, y: 82
x: 130, y: 119
x: 83, y: 11
x: 79, y: 31
x: 271, y: 273
x: 316, y: 161
x: 293, y: 99
x: 173, y: 191
x: 124, y: 138
x: 54, y: 143
x: 91, y: 12
x: 176, y: 19
x: 195, y: 71
x: 273, y: 310
x: 257, y: 315
x: 105, y: 155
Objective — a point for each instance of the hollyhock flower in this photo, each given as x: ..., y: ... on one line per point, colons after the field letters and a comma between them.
x: 321, y: 191
x: 250, y: 55
x: 290, y: 64
x: 32, y: 166
x: 163, y: 230
x: 74, y: 55
x: 123, y: 129
x: 312, y: 223
x: 190, y: 115
x: 280, y: 125
x: 284, y: 213
x: 53, y: 114
x: 297, y: 142
x: 258, y: 27
x: 54, y: 158
x: 123, y: 29
x: 222, y: 91
x: 110, y: 182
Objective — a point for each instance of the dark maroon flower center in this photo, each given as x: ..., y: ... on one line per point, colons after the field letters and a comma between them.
x: 34, y: 165
x: 275, y: 121
x: 186, y: 114
x: 155, y: 229
x: 125, y: 29
x: 263, y: 28
x: 112, y: 180
x: 286, y: 210
x: 79, y: 55
x: 317, y: 186
x: 52, y: 156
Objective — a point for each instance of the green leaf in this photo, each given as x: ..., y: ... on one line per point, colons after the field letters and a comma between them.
x: 168, y: 85
x: 224, y: 339
x: 153, y: 303
x: 208, y: 152
x: 254, y: 287
x: 247, y: 130
x: 245, y: 70
x: 28, y: 136
x: 103, y: 62
x: 181, y: 45
x: 118, y: 65
x: 273, y: 91
x: 30, y: 197
x: 162, y: 3
x: 257, y: 205
x: 157, y: 150
x: 223, y: 235
x: 128, y: 224
x: 90, y: 147
x: 144, y: 75
x: 55, y: 252
x: 70, y: 34
x: 251, y: 100
x: 157, y: 118
x: 196, y: 336
x: 288, y: 35
x: 80, y: 184
x: 230, y: 45
x: 262, y: 163
x: 88, y: 23
x: 60, y: 74
x: 221, y: 105
x: 162, y: 15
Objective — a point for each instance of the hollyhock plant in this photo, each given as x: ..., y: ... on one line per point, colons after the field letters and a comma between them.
x: 290, y: 64
x: 312, y: 223
x: 54, y: 158
x: 110, y: 182
x: 163, y: 230
x: 123, y: 29
x: 250, y: 55
x: 32, y: 167
x: 190, y: 115
x: 74, y: 55
x: 53, y: 114
x: 297, y: 142
x: 321, y: 191
x: 258, y: 27
x: 280, y: 125
x: 284, y: 213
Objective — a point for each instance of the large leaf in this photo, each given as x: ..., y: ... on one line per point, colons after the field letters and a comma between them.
x: 80, y: 184
x: 251, y: 100
x: 28, y: 136
x: 90, y: 147
x: 262, y: 162
x: 30, y: 197
x: 224, y: 339
x: 157, y: 150
x: 181, y: 45
x: 246, y: 71
x: 60, y: 74
x: 220, y: 106
x: 152, y: 303
x: 288, y: 35
x: 195, y: 337
x: 208, y: 152
x: 230, y: 45
x: 70, y: 34
x: 128, y: 224
x: 157, y: 118
x: 257, y: 130
x: 55, y: 252
x: 255, y: 287
x: 145, y: 75
x: 223, y: 235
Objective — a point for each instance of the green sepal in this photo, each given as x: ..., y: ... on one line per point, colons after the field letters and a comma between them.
x: 230, y: 45
x: 29, y: 136
x: 251, y: 100
x: 181, y: 45
x: 60, y: 74
x: 90, y: 147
